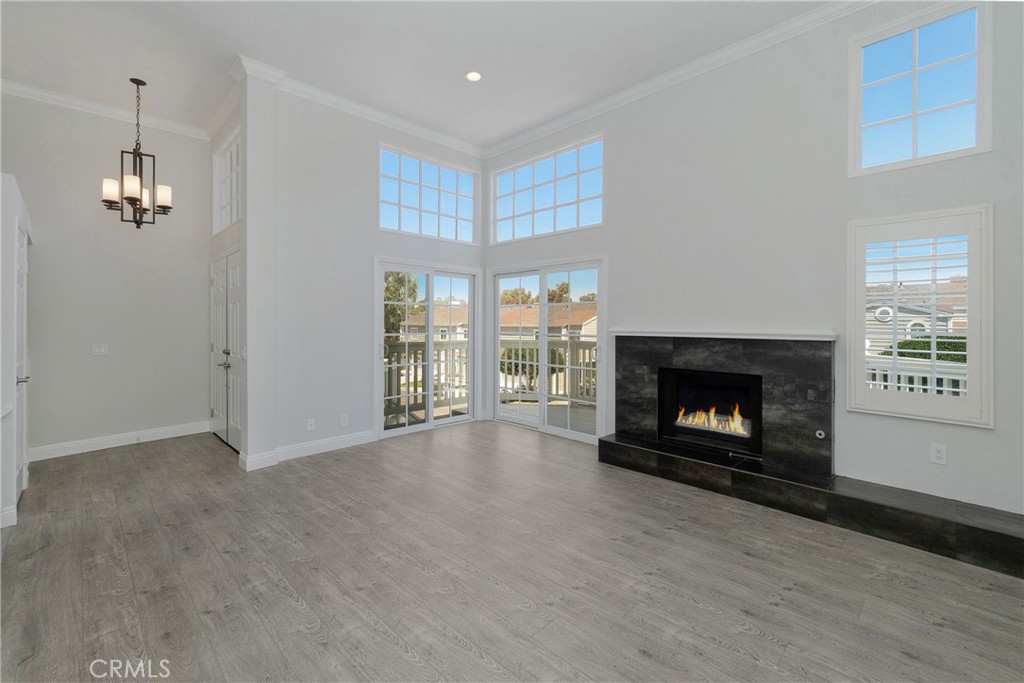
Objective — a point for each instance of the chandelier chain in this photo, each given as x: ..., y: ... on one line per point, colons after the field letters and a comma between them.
x: 138, y: 110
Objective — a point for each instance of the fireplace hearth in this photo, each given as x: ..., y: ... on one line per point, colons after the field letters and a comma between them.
x: 751, y: 418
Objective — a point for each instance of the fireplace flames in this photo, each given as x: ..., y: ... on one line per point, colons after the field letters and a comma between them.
x: 707, y: 419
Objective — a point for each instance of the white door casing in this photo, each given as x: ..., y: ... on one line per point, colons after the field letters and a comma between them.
x: 235, y: 344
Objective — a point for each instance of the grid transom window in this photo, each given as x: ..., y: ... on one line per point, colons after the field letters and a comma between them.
x: 228, y: 169
x: 918, y: 314
x: 422, y: 197
x: 918, y: 92
x: 562, y: 191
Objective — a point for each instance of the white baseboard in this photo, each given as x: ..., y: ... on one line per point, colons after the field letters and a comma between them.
x: 59, y: 450
x: 9, y: 516
x: 300, y: 450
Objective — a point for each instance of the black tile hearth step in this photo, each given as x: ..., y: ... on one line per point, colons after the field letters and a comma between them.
x: 971, y: 533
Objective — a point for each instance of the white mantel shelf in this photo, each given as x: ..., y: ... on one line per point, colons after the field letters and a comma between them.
x: 726, y: 334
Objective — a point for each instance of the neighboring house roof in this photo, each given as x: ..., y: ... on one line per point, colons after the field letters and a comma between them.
x: 907, y: 308
x: 559, y: 315
x: 953, y: 293
x: 444, y: 316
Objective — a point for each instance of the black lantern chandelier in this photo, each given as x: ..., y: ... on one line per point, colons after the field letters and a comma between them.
x: 137, y: 196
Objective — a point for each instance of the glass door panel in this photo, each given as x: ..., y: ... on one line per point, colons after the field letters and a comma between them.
x: 518, y: 348
x: 451, y: 340
x: 572, y: 356
x: 405, y: 320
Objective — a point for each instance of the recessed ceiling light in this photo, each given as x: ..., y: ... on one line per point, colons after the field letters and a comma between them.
x: 473, y: 76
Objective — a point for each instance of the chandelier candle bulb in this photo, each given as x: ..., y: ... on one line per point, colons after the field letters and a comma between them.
x: 111, y: 192
x: 163, y: 196
x: 132, y: 188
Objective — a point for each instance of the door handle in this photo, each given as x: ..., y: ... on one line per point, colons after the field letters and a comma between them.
x: 23, y: 380
x: 226, y: 352
x: 226, y: 364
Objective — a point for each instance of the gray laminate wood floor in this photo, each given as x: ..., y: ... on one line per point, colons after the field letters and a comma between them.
x: 476, y: 552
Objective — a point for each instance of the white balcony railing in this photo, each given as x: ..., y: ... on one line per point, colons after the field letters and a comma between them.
x: 916, y: 375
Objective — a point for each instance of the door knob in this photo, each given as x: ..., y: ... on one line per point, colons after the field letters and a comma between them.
x: 24, y: 380
x: 226, y: 365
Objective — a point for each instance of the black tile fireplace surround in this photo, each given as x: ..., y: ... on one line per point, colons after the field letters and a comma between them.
x: 794, y: 472
x: 794, y: 388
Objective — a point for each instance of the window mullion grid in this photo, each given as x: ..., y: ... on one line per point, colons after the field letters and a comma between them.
x: 913, y: 95
x: 579, y: 188
x: 895, y: 119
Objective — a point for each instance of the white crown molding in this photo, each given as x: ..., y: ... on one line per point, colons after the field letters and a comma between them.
x: 314, y: 94
x: 30, y: 92
x: 790, y: 29
x: 246, y: 66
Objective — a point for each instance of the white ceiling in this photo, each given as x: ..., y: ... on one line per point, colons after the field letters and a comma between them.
x: 540, y: 60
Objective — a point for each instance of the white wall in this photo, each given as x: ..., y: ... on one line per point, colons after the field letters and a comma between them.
x: 145, y: 293
x: 326, y: 242
x: 726, y: 207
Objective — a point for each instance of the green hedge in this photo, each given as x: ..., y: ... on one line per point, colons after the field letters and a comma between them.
x: 953, y: 349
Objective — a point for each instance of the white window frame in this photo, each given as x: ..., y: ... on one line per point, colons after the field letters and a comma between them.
x: 227, y: 183
x: 974, y: 409
x: 532, y: 213
x: 983, y: 121
x: 421, y: 158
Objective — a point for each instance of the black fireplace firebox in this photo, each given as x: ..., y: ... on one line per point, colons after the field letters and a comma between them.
x: 720, y: 410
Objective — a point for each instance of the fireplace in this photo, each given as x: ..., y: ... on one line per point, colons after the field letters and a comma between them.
x: 720, y: 410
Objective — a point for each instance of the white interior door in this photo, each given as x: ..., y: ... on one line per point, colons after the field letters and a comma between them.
x: 218, y: 346
x: 21, y: 398
x: 235, y: 345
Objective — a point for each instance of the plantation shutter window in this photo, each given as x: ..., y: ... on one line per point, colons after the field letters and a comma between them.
x: 919, y: 315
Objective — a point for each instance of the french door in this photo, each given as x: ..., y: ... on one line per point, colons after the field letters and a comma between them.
x: 427, y: 332
x: 547, y: 349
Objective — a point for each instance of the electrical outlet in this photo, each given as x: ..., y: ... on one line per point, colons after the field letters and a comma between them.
x: 99, y: 349
x: 310, y: 424
x: 343, y: 422
x: 939, y: 454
